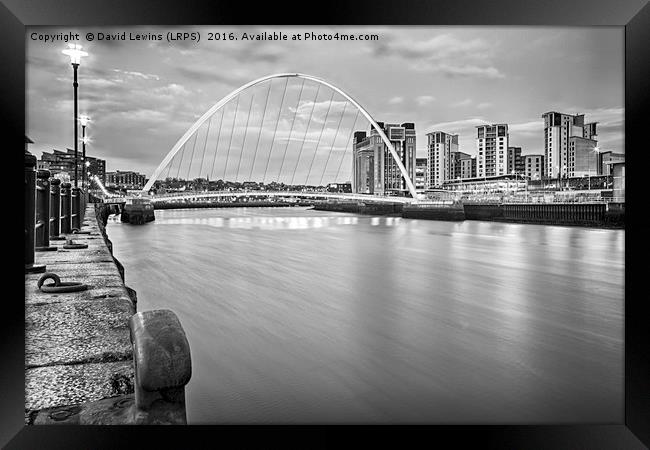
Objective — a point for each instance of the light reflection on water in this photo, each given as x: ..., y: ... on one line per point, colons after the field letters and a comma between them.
x: 305, y: 316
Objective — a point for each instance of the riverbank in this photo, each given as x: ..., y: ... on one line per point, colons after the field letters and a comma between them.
x: 251, y: 204
x: 77, y: 345
x: 593, y: 215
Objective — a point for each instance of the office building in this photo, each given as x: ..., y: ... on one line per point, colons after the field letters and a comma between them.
x: 605, y: 160
x: 440, y: 148
x: 125, y: 180
x: 583, y: 157
x: 492, y: 147
x: 565, y: 138
x: 374, y: 168
x: 534, y: 167
x: 515, y: 164
x: 420, y: 174
x: 458, y: 161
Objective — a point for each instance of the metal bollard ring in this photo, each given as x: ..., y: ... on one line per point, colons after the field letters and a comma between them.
x: 77, y: 231
x: 70, y: 244
x: 59, y: 286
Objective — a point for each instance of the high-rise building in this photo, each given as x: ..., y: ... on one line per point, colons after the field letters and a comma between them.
x: 605, y: 160
x: 560, y: 130
x: 440, y: 147
x: 473, y: 173
x: 375, y: 170
x: 515, y: 161
x: 492, y: 146
x: 420, y: 174
x: 59, y: 162
x: 534, y: 167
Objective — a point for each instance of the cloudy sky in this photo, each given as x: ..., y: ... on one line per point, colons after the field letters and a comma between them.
x: 143, y: 95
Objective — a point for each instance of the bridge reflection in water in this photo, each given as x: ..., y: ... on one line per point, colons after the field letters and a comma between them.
x: 302, y: 316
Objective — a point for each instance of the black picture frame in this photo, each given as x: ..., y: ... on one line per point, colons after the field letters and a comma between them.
x: 634, y: 15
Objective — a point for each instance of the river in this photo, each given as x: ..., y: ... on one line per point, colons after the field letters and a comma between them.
x: 302, y: 316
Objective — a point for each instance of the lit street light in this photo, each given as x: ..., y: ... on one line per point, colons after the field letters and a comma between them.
x: 75, y: 53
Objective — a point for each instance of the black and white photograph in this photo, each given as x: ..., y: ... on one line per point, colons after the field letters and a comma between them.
x: 340, y: 225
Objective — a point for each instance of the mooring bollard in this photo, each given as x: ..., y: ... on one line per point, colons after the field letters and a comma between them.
x: 55, y: 209
x: 76, y: 208
x: 42, y: 229
x: 30, y: 214
x: 163, y: 366
x: 66, y: 209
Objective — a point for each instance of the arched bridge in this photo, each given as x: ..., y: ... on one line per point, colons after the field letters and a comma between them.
x: 286, y: 129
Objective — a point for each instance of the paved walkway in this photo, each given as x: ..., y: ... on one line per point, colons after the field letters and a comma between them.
x: 77, y: 345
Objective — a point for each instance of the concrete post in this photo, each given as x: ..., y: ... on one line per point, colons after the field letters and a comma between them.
x: 55, y: 207
x: 30, y: 214
x: 42, y: 231
x: 163, y: 366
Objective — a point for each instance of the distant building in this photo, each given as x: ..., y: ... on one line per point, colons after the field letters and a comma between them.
x: 565, y: 137
x: 492, y: 146
x: 125, y: 180
x: 457, y: 159
x: 583, y: 157
x: 420, y: 174
x: 62, y: 164
x: 605, y: 159
x: 488, y: 186
x: 534, y: 167
x: 374, y: 168
x: 340, y: 187
x: 474, y: 168
x: 440, y: 147
x: 618, y: 179
x: 515, y: 161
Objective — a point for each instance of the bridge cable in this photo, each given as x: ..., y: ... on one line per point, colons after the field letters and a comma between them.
x: 180, y: 163
x: 243, y: 145
x: 216, y: 147
x: 205, y: 144
x: 291, y: 129
x: 232, y: 131
x: 311, y: 114
x: 259, y: 135
x: 354, y: 124
x: 189, y: 167
x: 169, y: 166
x: 268, y: 159
x: 327, y: 114
x: 338, y: 128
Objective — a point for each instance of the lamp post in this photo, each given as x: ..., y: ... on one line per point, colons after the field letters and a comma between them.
x: 75, y: 53
x: 83, y: 120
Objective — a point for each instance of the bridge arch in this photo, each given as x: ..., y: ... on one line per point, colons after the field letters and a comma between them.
x: 233, y: 94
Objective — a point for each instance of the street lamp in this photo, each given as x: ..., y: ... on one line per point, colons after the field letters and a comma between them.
x: 75, y: 53
x: 83, y: 120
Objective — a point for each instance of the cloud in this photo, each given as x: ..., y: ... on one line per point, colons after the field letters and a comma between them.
x: 458, y: 125
x: 145, y: 76
x: 424, y: 99
x: 465, y: 102
x: 444, y: 54
x: 484, y: 105
x: 396, y: 100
